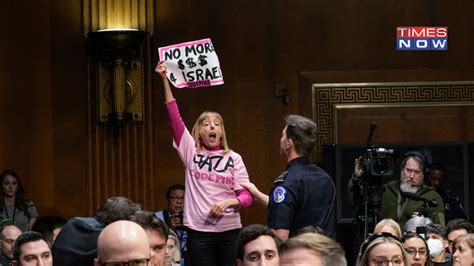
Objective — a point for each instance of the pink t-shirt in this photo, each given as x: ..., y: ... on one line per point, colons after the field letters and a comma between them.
x: 211, y: 177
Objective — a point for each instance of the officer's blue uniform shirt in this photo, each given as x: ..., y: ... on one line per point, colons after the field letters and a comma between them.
x: 303, y: 195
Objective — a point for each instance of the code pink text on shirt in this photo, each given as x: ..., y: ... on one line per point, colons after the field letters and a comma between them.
x: 216, y: 163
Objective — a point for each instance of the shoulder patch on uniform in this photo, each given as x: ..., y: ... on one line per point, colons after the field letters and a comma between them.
x: 279, y: 194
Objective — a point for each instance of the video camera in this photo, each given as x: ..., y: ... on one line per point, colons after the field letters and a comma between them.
x: 375, y: 164
x: 378, y: 162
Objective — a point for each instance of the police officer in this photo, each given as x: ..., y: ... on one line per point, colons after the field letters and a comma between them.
x: 304, y: 194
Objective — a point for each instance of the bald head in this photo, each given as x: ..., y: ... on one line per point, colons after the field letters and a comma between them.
x: 10, y: 230
x: 122, y: 241
x: 9, y: 234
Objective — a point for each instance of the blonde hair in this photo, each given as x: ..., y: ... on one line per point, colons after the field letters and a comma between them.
x: 176, y: 256
x: 195, y: 132
x: 467, y: 239
x: 331, y: 251
x: 366, y: 248
x: 391, y: 223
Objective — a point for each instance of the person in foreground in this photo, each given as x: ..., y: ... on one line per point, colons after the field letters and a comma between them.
x: 31, y: 249
x: 257, y: 245
x: 464, y: 250
x: 437, y: 240
x: 416, y: 249
x: 310, y: 249
x: 213, y: 192
x: 157, y: 232
x: 8, y: 234
x: 389, y: 226
x: 76, y: 244
x: 456, y: 228
x: 123, y: 243
x: 381, y: 249
x: 304, y: 194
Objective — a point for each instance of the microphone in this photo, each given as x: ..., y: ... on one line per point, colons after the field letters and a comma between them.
x: 413, y: 196
x: 373, y: 126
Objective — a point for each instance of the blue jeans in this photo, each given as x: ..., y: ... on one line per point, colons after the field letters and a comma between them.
x: 212, y: 249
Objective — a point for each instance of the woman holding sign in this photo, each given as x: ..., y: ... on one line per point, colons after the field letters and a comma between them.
x: 213, y: 193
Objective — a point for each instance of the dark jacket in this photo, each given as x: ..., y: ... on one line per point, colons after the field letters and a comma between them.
x: 303, y: 196
x: 393, y: 203
x: 76, y: 244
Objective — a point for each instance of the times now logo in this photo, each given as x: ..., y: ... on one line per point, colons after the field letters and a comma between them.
x: 422, y: 38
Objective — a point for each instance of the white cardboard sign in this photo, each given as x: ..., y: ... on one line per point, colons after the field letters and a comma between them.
x: 192, y: 64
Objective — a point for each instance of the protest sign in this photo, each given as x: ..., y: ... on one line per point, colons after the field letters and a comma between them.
x: 192, y: 64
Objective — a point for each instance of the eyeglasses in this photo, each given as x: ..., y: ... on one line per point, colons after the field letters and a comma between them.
x: 175, y: 198
x: 413, y: 251
x: 137, y: 262
x: 383, y: 261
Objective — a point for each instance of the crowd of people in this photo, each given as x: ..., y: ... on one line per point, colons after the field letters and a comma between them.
x: 201, y: 224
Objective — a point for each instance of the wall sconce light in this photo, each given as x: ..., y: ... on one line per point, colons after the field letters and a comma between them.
x: 119, y: 75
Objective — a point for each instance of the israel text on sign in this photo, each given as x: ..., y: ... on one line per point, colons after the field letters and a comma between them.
x: 192, y: 64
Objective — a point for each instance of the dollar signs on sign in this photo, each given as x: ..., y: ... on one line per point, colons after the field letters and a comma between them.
x: 180, y: 64
x: 202, y: 60
x: 190, y: 62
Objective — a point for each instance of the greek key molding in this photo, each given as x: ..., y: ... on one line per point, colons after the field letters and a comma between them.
x: 327, y: 98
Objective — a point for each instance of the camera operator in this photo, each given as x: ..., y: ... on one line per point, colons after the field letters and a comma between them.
x: 404, y: 198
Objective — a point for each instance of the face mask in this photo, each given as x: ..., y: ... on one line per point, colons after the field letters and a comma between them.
x: 435, y: 246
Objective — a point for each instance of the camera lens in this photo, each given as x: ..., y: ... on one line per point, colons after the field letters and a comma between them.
x: 381, y: 166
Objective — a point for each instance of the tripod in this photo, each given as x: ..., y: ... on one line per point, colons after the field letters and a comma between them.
x: 372, y: 191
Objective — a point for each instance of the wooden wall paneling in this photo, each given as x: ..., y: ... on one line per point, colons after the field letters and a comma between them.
x: 68, y: 98
x: 405, y: 123
x: 121, y: 161
x: 328, y: 98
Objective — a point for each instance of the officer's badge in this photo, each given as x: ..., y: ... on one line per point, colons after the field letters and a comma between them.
x: 279, y: 194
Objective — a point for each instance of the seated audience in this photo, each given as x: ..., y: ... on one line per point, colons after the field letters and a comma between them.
x: 312, y: 249
x: 76, y: 244
x: 389, y: 226
x: 381, y: 249
x: 157, y: 232
x: 257, y: 245
x: 311, y: 229
x: 416, y: 221
x: 123, y: 243
x: 31, y: 249
x: 416, y: 249
x: 49, y: 227
x: 437, y: 236
x: 173, y: 215
x: 14, y: 206
x: 9, y: 234
x: 456, y: 228
x: 173, y: 254
x: 464, y: 250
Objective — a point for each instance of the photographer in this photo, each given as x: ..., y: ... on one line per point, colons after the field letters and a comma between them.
x: 404, y: 198
x: 173, y: 215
